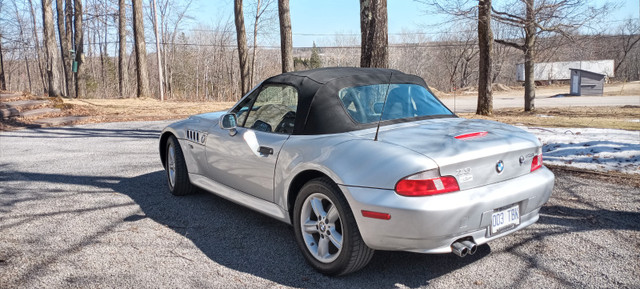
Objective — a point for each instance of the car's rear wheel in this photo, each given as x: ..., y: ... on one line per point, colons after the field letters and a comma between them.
x: 176, y: 169
x: 326, y: 230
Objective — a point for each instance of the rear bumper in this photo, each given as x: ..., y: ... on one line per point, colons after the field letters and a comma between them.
x: 431, y: 224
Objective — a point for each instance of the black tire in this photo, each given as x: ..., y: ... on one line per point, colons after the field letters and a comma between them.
x: 181, y: 185
x: 353, y: 254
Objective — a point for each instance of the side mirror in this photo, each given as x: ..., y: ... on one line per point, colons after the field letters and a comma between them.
x: 228, y: 121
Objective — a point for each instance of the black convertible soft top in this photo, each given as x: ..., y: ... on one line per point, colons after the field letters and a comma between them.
x: 320, y: 111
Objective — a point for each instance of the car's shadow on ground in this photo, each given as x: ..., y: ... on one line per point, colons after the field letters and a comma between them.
x: 243, y: 240
x: 246, y: 241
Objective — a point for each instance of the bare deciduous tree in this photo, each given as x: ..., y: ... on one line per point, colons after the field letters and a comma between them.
x: 37, y: 44
x: 172, y: 13
x: 374, y: 39
x: 122, y: 51
x: 155, y: 30
x: 142, y: 74
x: 51, y: 48
x: 242, y: 46
x: 3, y: 82
x: 286, y: 43
x: 68, y: 26
x: 457, y: 52
x: 65, y: 15
x: 630, y: 32
x: 21, y: 27
x: 485, y: 46
x: 81, y: 83
x: 262, y: 18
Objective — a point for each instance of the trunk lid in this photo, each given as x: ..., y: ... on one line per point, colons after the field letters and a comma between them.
x: 474, y: 161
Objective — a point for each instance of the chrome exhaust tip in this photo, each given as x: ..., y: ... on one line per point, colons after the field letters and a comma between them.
x: 471, y: 246
x: 459, y: 249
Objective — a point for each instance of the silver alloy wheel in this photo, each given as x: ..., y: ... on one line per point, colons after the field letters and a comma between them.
x: 321, y: 228
x: 171, y: 164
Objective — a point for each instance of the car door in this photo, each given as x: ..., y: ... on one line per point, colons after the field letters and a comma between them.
x: 245, y: 158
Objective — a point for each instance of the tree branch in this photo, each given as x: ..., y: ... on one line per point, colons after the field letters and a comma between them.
x: 507, y: 17
x: 511, y: 44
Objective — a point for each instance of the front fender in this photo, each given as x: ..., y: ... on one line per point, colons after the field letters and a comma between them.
x: 172, y: 129
x: 193, y: 149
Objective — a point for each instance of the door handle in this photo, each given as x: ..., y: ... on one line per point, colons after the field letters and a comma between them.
x: 265, y: 150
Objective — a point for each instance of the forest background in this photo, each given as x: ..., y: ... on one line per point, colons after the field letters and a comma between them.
x: 194, y: 54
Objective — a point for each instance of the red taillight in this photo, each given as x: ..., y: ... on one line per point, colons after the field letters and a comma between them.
x: 471, y: 135
x: 536, y: 163
x: 414, y: 188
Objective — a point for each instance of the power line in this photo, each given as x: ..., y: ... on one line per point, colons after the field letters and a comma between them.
x: 233, y: 46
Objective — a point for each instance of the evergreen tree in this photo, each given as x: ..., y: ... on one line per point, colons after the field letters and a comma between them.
x: 315, y: 61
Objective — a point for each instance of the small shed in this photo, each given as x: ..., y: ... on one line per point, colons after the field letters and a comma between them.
x: 585, y: 82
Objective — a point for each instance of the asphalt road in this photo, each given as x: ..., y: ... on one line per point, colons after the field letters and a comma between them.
x: 88, y: 206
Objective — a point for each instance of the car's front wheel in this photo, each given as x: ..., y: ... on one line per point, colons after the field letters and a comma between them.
x: 176, y: 169
x: 326, y: 230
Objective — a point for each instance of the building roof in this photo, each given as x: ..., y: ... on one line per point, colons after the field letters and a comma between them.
x: 587, y: 71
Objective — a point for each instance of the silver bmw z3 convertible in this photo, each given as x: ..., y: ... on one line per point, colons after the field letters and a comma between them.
x: 361, y: 159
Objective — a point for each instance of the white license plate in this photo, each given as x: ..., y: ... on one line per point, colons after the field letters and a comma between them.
x: 505, y: 219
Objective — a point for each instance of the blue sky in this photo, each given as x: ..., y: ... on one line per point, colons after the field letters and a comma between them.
x: 320, y: 20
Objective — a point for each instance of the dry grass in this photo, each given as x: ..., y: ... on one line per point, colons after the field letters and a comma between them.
x: 117, y: 110
x: 103, y: 110
x: 622, y: 88
x: 626, y: 117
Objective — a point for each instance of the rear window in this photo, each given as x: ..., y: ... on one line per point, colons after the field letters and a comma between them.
x: 366, y: 104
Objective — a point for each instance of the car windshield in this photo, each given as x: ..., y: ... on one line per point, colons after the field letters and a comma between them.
x: 365, y: 104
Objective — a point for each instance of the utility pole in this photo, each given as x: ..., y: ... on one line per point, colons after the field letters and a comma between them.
x: 155, y: 27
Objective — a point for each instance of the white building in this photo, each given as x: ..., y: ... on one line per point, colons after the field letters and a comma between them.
x: 546, y: 71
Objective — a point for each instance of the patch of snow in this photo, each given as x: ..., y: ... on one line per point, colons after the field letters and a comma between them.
x: 544, y: 115
x: 634, y: 120
x: 595, y: 149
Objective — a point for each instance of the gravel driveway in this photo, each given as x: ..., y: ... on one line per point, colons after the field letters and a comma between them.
x: 88, y: 206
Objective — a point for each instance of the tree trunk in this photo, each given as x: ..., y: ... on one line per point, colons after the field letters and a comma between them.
x: 3, y: 83
x: 51, y: 48
x: 91, y: 33
x: 485, y: 45
x: 102, y: 39
x: 529, y: 58
x: 286, y: 42
x: 142, y: 74
x: 242, y: 46
x: 155, y: 28
x: 68, y: 15
x: 255, y: 44
x: 374, y: 40
x: 65, y: 44
x: 81, y: 83
x: 26, y: 64
x: 37, y: 45
x: 122, y: 52
x: 198, y: 74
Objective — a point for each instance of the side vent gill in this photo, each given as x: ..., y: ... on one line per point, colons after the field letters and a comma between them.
x: 195, y: 136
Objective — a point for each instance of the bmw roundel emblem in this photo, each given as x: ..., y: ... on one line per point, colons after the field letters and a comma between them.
x: 500, y: 166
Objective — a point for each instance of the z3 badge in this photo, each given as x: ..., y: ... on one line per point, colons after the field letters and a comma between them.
x: 464, y: 175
